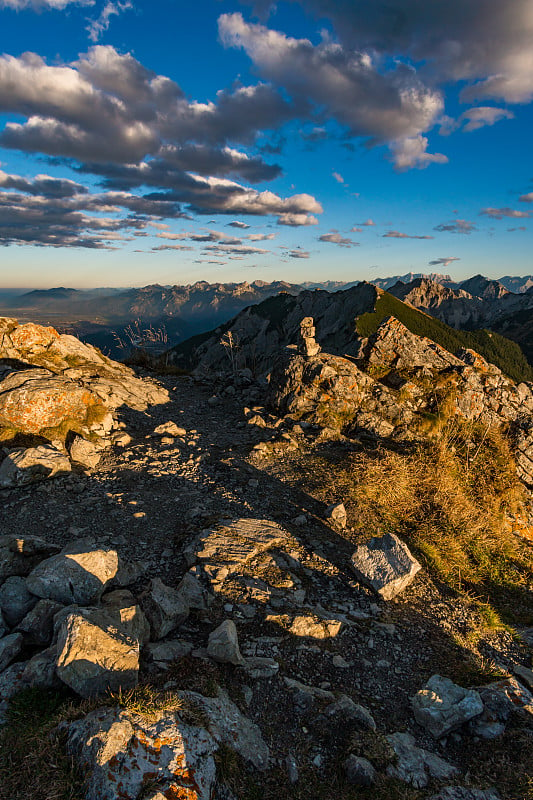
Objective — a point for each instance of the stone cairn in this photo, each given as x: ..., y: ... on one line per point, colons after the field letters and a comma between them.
x: 307, y: 345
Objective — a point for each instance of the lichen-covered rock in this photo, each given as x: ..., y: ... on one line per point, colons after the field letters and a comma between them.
x: 385, y: 564
x: 121, y: 753
x: 27, y: 465
x: 78, y: 574
x: 38, y: 402
x: 442, y: 706
x: 164, y: 607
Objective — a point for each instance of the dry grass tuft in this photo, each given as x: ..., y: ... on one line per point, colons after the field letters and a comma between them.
x: 453, y: 498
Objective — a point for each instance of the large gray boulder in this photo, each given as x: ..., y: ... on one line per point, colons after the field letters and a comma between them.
x: 26, y: 465
x: 15, y: 600
x: 164, y: 607
x: 98, y: 648
x: 78, y: 574
x: 385, y: 564
x: 442, y: 706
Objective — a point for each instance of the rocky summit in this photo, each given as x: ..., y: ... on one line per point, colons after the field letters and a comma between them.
x: 300, y: 563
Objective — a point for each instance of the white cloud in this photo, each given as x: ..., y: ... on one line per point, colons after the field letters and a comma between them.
x: 336, y: 238
x: 98, y: 26
x: 294, y: 219
x: 384, y: 106
x: 412, y: 152
x: 499, y: 213
x: 456, y: 226
x: 398, y: 235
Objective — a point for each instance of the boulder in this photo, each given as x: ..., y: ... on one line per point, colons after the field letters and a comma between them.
x: 3, y: 625
x: 19, y: 555
x: 85, y: 453
x: 39, y: 402
x: 15, y: 600
x: 171, y: 650
x: 117, y: 748
x: 169, y: 429
x: 359, y: 771
x: 37, y: 626
x: 223, y: 644
x: 344, y: 710
x: 78, y: 574
x: 415, y: 765
x: 10, y: 647
x: 120, y: 753
x: 164, y: 608
x: 385, y: 564
x: 26, y: 465
x: 192, y: 593
x: 500, y: 699
x: 98, y: 649
x: 442, y: 706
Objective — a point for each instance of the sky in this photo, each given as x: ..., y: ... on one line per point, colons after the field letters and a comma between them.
x: 157, y: 141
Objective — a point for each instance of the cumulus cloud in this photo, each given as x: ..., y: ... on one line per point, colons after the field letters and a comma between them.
x: 338, y: 177
x: 240, y: 250
x: 260, y: 237
x: 484, y: 42
x: 60, y: 213
x: 412, y: 152
x: 238, y: 224
x: 344, y: 82
x: 368, y: 223
x: 336, y: 238
x: 294, y: 219
x: 171, y: 247
x: 527, y: 198
x: 443, y: 262
x: 398, y: 235
x: 456, y: 226
x: 484, y: 115
x: 499, y: 213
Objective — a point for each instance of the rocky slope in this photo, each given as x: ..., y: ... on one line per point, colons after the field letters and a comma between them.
x: 265, y: 635
x: 343, y: 319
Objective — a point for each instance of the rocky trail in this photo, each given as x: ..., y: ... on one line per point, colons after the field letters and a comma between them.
x: 244, y: 597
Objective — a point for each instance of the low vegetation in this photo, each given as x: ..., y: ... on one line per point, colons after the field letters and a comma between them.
x: 506, y: 354
x: 454, y: 498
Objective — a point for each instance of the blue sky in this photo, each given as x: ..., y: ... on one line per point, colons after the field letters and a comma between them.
x: 163, y: 142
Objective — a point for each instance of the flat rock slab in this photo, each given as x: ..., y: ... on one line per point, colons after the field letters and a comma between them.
x: 385, y: 564
x: 223, y: 550
x: 442, y: 706
x: 22, y: 466
x: 415, y: 765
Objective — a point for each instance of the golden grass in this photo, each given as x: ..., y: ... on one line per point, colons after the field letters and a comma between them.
x: 453, y: 498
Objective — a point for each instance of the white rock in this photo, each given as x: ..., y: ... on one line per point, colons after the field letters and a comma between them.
x: 385, y: 564
x: 415, y: 765
x: 164, y: 608
x: 442, y: 706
